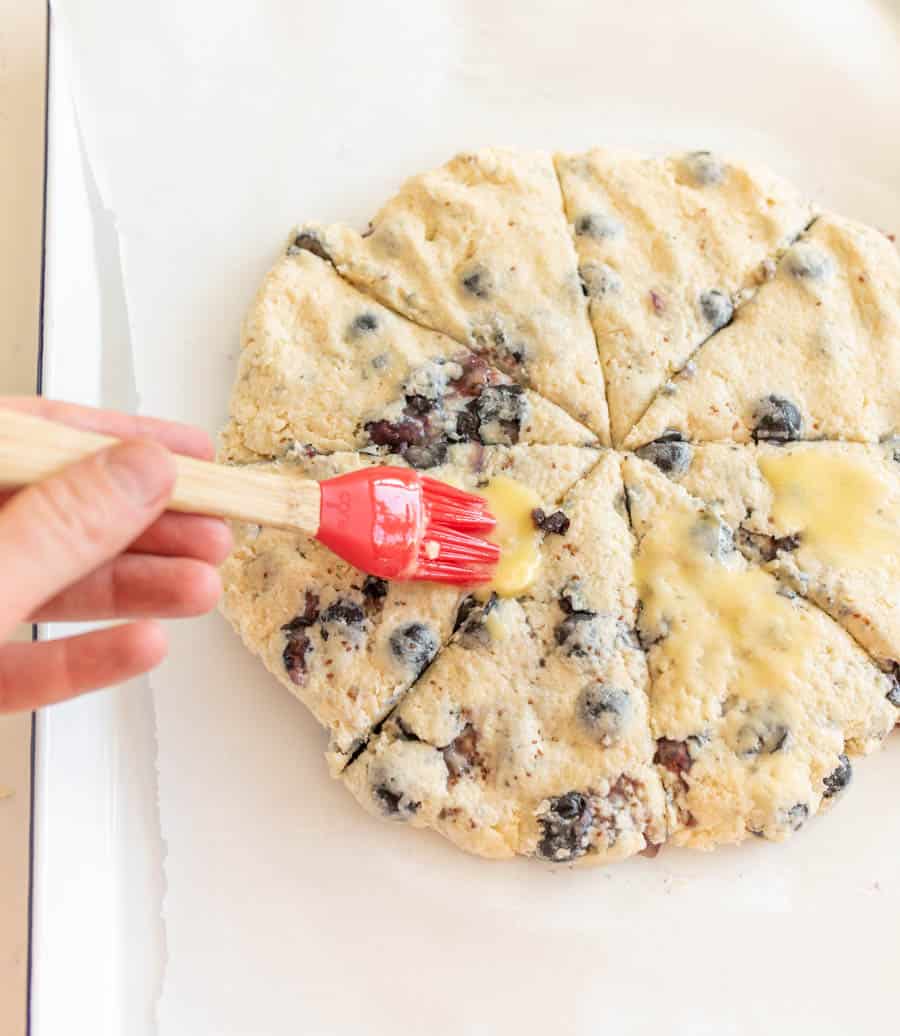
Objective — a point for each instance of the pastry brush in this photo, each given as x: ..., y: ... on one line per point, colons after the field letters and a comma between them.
x: 390, y: 522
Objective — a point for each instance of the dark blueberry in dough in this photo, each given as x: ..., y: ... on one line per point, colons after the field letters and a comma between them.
x: 672, y: 456
x: 308, y: 241
x: 414, y: 645
x: 394, y: 804
x: 417, y: 405
x: 760, y: 735
x: 572, y: 598
x: 579, y: 634
x: 604, y: 711
x: 808, y: 262
x: 599, y: 280
x: 466, y: 426
x: 349, y: 613
x: 555, y: 524
x: 430, y: 456
x: 598, y: 226
x: 717, y: 309
x: 797, y: 816
x: 675, y: 756
x: 704, y: 168
x: 776, y: 419
x: 566, y: 827
x: 839, y: 778
x: 760, y: 547
x: 296, y: 648
x: 375, y: 590
x: 364, y: 324
x: 461, y: 755
x: 306, y: 617
x: 397, y: 435
x: 478, y: 282
x: 501, y: 411
x: 893, y: 695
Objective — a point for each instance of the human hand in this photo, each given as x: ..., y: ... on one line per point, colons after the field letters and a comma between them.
x: 93, y: 542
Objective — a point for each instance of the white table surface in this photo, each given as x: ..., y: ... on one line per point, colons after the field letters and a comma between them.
x: 22, y: 61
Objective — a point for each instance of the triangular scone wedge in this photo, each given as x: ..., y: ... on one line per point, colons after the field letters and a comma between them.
x: 480, y: 250
x: 815, y: 354
x: 756, y: 696
x: 529, y: 735
x: 667, y: 248
x: 347, y: 646
x: 323, y: 365
x: 823, y: 517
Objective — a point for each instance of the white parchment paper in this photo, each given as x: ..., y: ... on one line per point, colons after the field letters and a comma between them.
x: 209, y: 128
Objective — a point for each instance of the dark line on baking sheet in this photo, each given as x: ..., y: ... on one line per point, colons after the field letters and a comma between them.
x: 39, y: 387
x: 778, y: 256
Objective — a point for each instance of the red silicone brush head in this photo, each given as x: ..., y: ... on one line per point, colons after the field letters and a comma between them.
x: 398, y: 524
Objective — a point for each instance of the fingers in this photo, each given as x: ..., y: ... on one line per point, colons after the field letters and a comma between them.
x: 57, y: 531
x: 135, y: 586
x: 186, y: 536
x: 179, y: 438
x: 32, y: 675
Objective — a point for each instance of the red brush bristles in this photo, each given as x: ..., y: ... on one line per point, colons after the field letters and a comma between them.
x: 398, y: 524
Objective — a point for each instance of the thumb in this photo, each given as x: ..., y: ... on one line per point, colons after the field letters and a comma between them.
x: 61, y: 528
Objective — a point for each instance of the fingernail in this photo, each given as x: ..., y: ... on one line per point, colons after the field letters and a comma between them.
x: 142, y: 470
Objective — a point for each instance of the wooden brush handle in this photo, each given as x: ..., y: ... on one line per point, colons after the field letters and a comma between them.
x: 31, y: 448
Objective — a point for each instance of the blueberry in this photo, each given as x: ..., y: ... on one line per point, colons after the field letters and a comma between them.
x: 501, y: 411
x: 603, y: 711
x: 599, y: 280
x: 397, y: 435
x: 893, y: 695
x: 466, y: 426
x: 430, y: 456
x: 598, y: 226
x: 704, y: 168
x: 797, y: 816
x: 555, y: 524
x: 669, y: 453
x: 364, y: 324
x: 716, y: 308
x: 345, y: 612
x: 296, y: 648
x: 461, y: 755
x: 760, y: 735
x: 839, y: 778
x: 418, y: 406
x: 566, y: 827
x: 776, y: 419
x: 414, y: 645
x: 375, y: 590
x: 477, y: 281
x: 394, y: 802
x: 675, y: 756
x: 309, y: 241
x: 580, y: 634
x: 808, y: 262
x: 307, y: 617
x: 760, y: 547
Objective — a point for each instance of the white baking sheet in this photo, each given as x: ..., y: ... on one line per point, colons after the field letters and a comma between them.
x: 224, y: 885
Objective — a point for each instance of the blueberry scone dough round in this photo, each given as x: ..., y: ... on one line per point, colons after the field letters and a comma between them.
x: 814, y: 355
x: 480, y: 250
x: 346, y: 645
x: 757, y: 697
x: 668, y: 247
x: 323, y: 365
x: 530, y: 734
x: 823, y: 517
